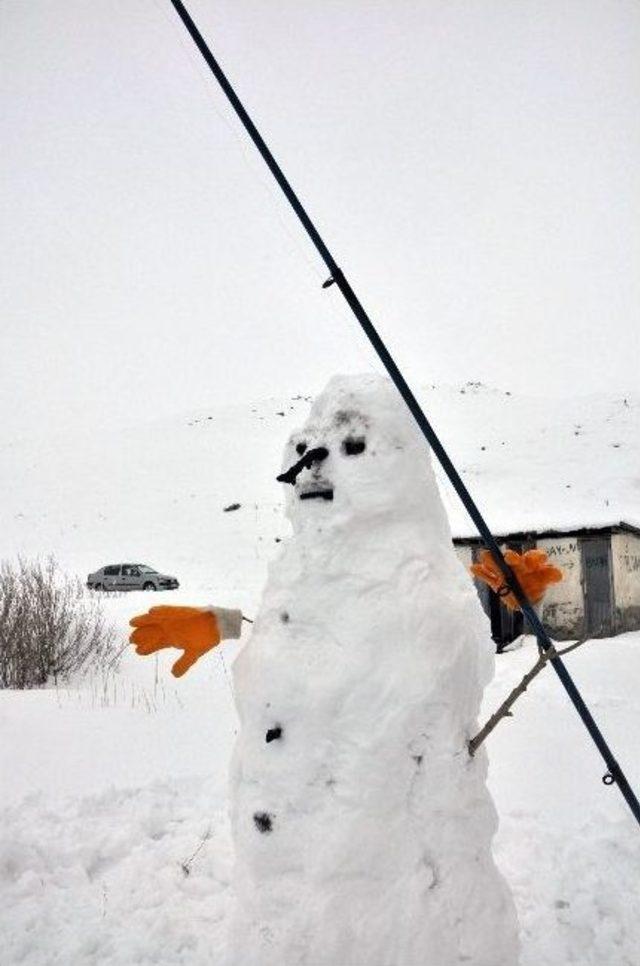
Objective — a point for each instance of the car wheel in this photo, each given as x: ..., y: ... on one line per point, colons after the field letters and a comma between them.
x: 98, y: 587
x: 149, y: 586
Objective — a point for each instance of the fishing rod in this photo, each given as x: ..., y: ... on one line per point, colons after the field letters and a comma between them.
x: 614, y: 773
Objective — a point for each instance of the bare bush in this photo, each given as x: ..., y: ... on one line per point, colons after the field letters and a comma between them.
x: 48, y: 628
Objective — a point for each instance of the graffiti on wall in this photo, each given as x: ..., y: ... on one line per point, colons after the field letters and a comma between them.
x: 565, y: 554
x: 562, y: 549
x: 630, y: 562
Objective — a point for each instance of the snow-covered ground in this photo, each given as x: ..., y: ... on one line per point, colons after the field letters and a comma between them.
x: 114, y: 842
x: 109, y: 792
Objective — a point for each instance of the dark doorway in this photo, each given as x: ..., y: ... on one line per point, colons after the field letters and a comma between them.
x: 506, y: 624
x: 596, y: 580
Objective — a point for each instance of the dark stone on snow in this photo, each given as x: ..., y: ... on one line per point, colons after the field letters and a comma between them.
x: 232, y: 506
x: 273, y: 734
x: 263, y: 822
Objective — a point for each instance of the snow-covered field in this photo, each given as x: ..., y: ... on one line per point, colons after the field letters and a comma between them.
x: 114, y: 841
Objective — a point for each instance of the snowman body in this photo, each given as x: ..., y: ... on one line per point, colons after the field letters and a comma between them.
x: 362, y: 826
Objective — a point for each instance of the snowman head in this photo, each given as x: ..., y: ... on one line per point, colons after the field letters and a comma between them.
x: 359, y: 456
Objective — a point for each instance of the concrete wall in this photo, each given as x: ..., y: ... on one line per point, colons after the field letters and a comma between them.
x: 625, y: 556
x: 465, y: 556
x: 563, y: 604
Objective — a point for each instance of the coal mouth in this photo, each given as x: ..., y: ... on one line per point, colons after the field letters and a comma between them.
x: 324, y: 494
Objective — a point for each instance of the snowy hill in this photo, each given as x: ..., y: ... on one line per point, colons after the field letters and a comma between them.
x: 541, y: 464
x: 156, y: 491
x: 111, y: 786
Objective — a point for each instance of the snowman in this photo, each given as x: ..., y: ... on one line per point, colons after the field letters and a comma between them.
x: 362, y: 826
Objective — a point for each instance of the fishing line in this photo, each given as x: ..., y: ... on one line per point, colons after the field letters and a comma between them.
x: 263, y: 185
x: 337, y: 277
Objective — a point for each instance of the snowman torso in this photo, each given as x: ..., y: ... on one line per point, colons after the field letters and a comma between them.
x: 362, y: 826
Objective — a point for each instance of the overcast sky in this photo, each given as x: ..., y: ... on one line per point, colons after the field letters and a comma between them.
x: 474, y: 166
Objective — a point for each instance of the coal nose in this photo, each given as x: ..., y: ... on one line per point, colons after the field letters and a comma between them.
x: 317, y: 455
x: 311, y: 458
x: 315, y: 458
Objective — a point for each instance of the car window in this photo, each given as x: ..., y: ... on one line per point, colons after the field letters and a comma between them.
x: 127, y: 570
x: 111, y: 571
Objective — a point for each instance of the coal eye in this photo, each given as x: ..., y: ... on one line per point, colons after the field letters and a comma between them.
x: 300, y: 448
x: 353, y: 447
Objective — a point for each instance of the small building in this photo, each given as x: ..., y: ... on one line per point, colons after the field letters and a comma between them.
x: 599, y: 595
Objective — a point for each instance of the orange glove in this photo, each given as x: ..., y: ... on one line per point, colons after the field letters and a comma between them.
x: 192, y: 629
x: 532, y: 569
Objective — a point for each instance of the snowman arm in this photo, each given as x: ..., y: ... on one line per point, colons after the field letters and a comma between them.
x: 531, y: 568
x: 229, y: 620
x: 193, y: 630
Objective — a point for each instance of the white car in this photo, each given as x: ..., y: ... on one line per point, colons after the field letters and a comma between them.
x: 130, y: 577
